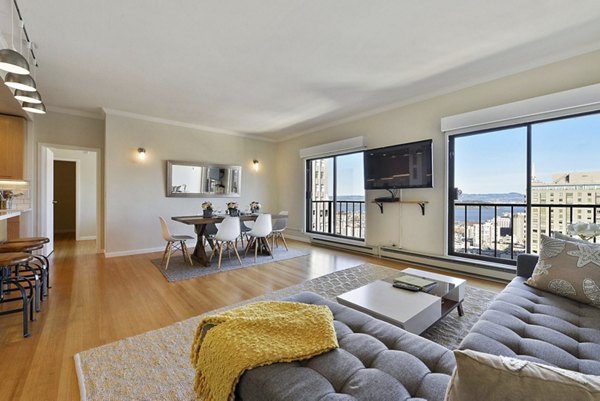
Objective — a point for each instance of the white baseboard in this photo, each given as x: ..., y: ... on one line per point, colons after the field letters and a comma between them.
x: 115, y: 254
x: 87, y: 238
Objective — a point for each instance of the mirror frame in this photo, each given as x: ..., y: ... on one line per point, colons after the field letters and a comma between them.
x: 171, y: 194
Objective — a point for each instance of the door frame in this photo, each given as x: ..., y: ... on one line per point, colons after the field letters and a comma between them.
x: 42, y: 146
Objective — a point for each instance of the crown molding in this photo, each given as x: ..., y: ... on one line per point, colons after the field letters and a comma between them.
x: 74, y: 112
x: 175, y: 123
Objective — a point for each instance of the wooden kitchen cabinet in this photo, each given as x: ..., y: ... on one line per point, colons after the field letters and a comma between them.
x: 12, y: 147
x: 13, y: 228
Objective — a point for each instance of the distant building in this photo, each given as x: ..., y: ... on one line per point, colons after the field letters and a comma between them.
x: 580, y: 188
x: 320, y: 192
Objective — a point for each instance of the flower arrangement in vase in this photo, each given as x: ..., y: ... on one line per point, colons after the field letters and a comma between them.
x: 232, y: 207
x: 207, y: 209
x: 254, y: 206
x: 585, y: 231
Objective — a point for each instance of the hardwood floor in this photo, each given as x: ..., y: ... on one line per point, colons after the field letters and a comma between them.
x: 94, y: 301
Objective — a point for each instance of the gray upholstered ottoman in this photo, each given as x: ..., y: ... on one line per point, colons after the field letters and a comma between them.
x: 527, y: 323
x: 375, y: 362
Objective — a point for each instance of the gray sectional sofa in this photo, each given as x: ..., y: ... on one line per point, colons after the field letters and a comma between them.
x: 378, y: 362
x: 527, y: 323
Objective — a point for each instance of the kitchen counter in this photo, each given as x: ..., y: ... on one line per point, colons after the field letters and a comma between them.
x: 8, y: 213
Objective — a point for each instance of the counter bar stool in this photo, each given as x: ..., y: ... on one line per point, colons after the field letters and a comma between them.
x: 33, y: 269
x: 9, y: 284
x: 37, y: 240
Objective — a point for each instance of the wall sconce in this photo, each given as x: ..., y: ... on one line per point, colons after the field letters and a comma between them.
x: 141, y: 153
x: 255, y: 164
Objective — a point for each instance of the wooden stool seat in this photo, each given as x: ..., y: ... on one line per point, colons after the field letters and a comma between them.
x: 20, y: 247
x: 14, y: 258
x: 41, y: 240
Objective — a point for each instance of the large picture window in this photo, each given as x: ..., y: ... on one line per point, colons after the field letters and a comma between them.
x: 335, y: 196
x: 509, y: 186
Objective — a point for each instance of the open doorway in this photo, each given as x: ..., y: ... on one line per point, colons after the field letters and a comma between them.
x: 69, y: 190
x: 65, y: 197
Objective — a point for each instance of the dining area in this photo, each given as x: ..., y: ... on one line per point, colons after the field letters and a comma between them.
x: 234, y: 233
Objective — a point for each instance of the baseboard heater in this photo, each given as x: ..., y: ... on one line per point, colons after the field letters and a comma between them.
x: 475, y: 269
x: 366, y: 249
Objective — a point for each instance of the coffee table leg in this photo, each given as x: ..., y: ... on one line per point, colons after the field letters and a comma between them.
x: 461, y: 312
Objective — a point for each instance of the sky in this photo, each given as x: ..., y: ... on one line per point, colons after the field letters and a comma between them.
x: 496, y: 162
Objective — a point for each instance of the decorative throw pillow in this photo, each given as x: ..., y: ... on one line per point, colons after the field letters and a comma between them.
x: 569, y: 269
x: 479, y: 376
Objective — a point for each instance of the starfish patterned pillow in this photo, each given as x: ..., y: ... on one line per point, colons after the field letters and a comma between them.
x: 569, y: 269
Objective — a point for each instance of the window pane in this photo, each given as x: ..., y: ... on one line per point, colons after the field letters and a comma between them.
x: 566, y: 172
x: 321, y: 195
x: 350, y: 196
x: 490, y: 174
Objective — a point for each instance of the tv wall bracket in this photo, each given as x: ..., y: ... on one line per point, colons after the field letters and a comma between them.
x: 380, y: 201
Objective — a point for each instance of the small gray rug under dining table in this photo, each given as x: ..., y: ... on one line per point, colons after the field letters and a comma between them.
x: 179, y: 269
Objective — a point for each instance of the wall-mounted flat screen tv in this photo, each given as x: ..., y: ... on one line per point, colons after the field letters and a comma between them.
x: 408, y: 165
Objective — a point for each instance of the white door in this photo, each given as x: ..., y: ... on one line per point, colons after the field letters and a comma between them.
x: 47, y: 198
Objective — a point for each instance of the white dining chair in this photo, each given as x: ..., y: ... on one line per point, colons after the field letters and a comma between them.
x: 227, y: 235
x: 174, y: 243
x: 279, y: 227
x: 259, y: 233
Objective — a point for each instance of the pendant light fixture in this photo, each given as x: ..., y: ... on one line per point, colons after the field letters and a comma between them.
x: 22, y: 82
x: 29, y: 97
x: 11, y: 60
x: 38, y: 108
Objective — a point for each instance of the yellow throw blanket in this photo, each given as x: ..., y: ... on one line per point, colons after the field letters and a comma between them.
x: 257, y: 334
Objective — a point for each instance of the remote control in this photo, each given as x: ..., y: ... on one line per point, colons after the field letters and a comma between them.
x: 406, y: 287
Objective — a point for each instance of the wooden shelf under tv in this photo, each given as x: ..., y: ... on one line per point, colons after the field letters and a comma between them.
x: 380, y: 201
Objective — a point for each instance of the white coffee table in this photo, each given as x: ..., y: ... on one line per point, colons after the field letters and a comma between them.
x: 413, y: 311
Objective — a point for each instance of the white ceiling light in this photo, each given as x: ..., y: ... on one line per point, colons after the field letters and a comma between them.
x: 29, y: 97
x: 22, y: 82
x: 14, y: 62
x: 34, y: 108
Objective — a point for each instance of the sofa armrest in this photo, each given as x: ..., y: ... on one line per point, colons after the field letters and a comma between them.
x: 525, y: 265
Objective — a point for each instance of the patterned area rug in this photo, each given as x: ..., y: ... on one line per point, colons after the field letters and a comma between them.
x: 155, y: 365
x: 179, y: 269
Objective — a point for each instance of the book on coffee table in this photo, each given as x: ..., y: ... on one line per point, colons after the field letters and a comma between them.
x: 419, y: 282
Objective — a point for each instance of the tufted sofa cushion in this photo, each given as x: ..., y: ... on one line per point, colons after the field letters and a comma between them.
x: 535, y: 325
x: 375, y: 362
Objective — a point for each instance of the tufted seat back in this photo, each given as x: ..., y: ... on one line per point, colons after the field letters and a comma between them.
x: 375, y: 362
x: 527, y: 323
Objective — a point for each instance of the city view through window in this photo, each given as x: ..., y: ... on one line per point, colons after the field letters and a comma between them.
x: 336, y: 198
x: 490, y: 185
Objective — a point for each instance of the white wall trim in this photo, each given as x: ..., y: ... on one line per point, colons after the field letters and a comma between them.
x: 87, y: 238
x: 554, y: 105
x: 142, y: 251
x: 175, y: 123
x: 74, y: 112
x: 333, y: 148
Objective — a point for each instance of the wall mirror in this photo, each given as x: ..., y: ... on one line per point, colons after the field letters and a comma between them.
x: 195, y: 180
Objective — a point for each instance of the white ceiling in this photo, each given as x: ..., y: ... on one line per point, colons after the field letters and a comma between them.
x: 277, y: 68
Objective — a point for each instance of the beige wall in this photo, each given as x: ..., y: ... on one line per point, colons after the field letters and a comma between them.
x: 404, y: 224
x: 135, y: 190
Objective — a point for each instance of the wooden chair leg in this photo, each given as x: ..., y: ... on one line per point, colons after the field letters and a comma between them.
x: 283, y: 239
x: 162, y: 261
x: 266, y: 243
x: 168, y: 255
x: 212, y: 254
x: 255, y: 248
x: 186, y: 253
x: 249, y: 245
x: 238, y: 255
x: 220, y: 255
